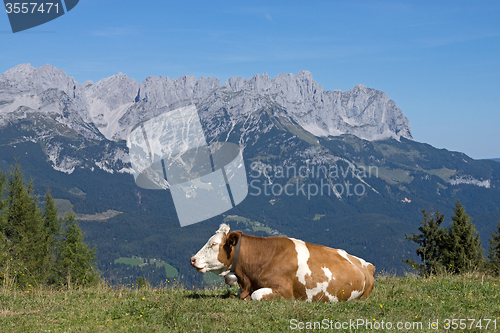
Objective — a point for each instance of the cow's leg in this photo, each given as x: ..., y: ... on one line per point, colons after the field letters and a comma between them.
x: 263, y: 294
x: 272, y: 293
x: 284, y: 290
x: 245, y: 288
x: 246, y: 295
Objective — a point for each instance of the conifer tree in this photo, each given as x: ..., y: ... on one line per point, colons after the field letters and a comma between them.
x: 4, y: 256
x: 51, y: 216
x: 75, y: 259
x: 24, y: 229
x: 462, y: 252
x: 494, y: 251
x: 4, y: 249
x: 431, y: 240
x: 52, y: 226
x: 2, y: 201
x: 34, y: 249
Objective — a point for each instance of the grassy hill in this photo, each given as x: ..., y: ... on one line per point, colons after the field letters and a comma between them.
x: 416, y: 303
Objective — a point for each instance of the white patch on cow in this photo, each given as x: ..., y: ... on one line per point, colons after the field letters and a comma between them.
x: 259, y: 293
x: 303, y: 270
x: 328, y: 273
x: 357, y: 294
x: 302, y: 257
x: 344, y: 255
x: 330, y: 277
x: 363, y: 262
x: 322, y: 287
x: 207, y: 258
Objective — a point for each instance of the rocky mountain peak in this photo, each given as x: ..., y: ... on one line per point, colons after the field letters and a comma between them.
x: 113, y: 91
x: 115, y: 103
x: 26, y: 79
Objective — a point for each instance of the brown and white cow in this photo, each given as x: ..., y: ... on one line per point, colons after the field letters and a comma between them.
x: 274, y: 267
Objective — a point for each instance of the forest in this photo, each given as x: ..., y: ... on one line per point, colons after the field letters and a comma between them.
x: 37, y: 247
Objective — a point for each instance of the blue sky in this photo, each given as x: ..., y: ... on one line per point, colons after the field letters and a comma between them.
x: 438, y: 60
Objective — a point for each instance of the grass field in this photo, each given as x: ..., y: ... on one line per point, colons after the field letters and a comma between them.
x: 317, y: 217
x: 394, y: 176
x: 253, y: 225
x: 443, y: 173
x: 170, y: 270
x: 99, y: 216
x: 64, y: 206
x: 412, y: 302
x: 136, y: 261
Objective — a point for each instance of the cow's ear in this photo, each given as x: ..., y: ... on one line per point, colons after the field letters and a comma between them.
x: 233, y: 237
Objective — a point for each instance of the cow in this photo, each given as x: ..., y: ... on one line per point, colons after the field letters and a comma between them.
x: 278, y: 267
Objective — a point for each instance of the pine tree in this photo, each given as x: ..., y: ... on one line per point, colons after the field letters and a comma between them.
x: 51, y: 217
x: 4, y: 256
x: 431, y: 240
x: 24, y: 230
x: 494, y: 251
x: 2, y: 201
x: 463, y: 252
x: 34, y: 249
x: 52, y: 226
x: 4, y: 246
x: 75, y: 259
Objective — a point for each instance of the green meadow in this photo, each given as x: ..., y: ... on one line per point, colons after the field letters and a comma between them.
x: 136, y: 261
x: 468, y: 303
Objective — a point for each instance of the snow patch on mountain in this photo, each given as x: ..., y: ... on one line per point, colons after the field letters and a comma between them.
x: 126, y: 170
x: 64, y: 164
x: 470, y: 181
x: 104, y: 166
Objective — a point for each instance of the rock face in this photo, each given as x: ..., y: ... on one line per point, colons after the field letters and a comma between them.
x: 45, y: 91
x: 108, y: 100
x: 111, y: 106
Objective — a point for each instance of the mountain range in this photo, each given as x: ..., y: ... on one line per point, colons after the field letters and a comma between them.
x: 363, y: 184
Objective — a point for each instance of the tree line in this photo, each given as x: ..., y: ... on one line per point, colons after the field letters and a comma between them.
x: 455, y: 249
x: 37, y: 247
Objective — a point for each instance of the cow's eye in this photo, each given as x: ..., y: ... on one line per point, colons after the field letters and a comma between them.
x: 214, y: 244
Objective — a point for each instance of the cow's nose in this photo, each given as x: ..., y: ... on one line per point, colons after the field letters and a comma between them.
x: 193, y: 261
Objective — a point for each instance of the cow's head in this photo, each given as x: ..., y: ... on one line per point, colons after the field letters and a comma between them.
x: 217, y: 254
